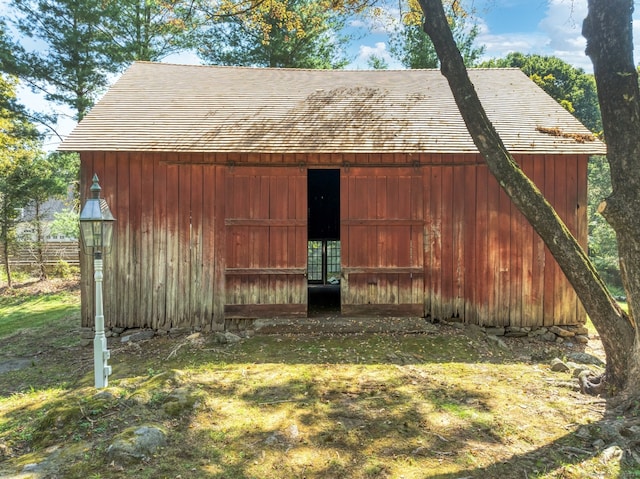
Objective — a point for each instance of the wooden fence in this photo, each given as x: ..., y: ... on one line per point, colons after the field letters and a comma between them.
x: 24, y: 255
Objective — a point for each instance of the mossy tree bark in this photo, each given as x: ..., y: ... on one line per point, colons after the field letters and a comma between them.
x: 617, y: 329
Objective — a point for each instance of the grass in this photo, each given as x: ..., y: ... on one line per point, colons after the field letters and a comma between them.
x: 446, y: 405
x: 24, y: 311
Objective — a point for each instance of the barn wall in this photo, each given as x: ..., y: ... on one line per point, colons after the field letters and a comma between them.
x: 166, y: 269
x: 482, y: 262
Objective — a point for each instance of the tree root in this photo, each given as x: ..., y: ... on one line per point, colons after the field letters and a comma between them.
x: 592, y: 385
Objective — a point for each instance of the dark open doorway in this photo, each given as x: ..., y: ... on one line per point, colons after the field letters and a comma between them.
x: 323, y: 247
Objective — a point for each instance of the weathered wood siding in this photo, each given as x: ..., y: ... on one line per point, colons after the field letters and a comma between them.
x: 202, y: 237
x: 266, y: 231
x: 166, y: 268
x: 381, y: 240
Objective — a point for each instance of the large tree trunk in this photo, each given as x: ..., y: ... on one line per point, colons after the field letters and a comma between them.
x: 609, y: 34
x: 616, y: 329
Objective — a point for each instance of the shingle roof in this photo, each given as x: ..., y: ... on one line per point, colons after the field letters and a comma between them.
x: 164, y: 107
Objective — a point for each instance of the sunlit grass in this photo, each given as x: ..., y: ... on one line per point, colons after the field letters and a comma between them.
x: 332, y: 406
x: 21, y: 311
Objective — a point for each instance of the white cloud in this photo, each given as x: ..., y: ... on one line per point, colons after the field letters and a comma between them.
x: 379, y: 49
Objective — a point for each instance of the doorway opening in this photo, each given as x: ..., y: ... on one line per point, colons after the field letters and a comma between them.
x: 323, y: 246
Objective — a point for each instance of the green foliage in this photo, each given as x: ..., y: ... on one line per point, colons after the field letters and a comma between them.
x: 65, y: 223
x: 67, y: 59
x: 574, y: 89
x: 414, y: 49
x: 377, y: 63
x: 263, y: 38
x: 19, y: 147
x: 148, y: 30
x: 603, y: 247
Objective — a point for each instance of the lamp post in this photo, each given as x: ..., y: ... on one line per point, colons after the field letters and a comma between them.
x: 96, y: 230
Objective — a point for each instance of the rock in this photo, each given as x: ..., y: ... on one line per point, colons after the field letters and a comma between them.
x: 226, y: 338
x: 138, y: 336
x: 630, y: 431
x: 549, y: 336
x: 582, y: 330
x: 537, y: 332
x: 563, y: 333
x: 273, y: 439
x: 495, y: 331
x: 117, y: 330
x: 136, y: 444
x: 579, y: 370
x: 456, y: 324
x: 32, y: 467
x: 105, y: 395
x: 581, y: 339
x: 557, y: 365
x: 516, y: 334
x: 181, y: 401
x: 179, y: 331
x: 584, y: 358
x: 497, y: 341
x: 86, y: 333
x: 612, y: 452
x: 294, y: 433
x: 162, y: 332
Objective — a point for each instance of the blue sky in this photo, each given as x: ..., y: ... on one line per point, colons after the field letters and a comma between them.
x: 546, y: 27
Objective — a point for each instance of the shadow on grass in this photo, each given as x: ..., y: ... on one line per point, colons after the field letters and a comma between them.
x: 374, y: 424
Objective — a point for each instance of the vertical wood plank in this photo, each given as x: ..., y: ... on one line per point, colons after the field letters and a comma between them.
x: 160, y: 192
x: 493, y: 252
x: 124, y: 293
x: 88, y: 165
x: 504, y: 254
x: 209, y: 192
x: 566, y: 198
x: 482, y: 285
x: 183, y: 303
x: 468, y: 193
x: 220, y: 239
x: 550, y: 264
x: 447, y: 221
x: 459, y: 239
x: 135, y: 242
x: 172, y: 265
x: 196, y: 286
x: 436, y: 238
x: 148, y: 273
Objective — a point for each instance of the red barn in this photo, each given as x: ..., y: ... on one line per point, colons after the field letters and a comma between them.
x: 240, y: 193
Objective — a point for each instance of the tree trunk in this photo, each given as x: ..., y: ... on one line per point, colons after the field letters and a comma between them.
x: 40, y: 242
x: 4, y: 237
x: 616, y: 329
x: 7, y: 267
x: 609, y: 34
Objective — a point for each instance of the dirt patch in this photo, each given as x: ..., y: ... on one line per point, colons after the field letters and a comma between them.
x: 33, y: 287
x: 14, y: 364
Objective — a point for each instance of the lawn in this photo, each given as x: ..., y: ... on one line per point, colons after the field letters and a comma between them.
x: 450, y: 404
